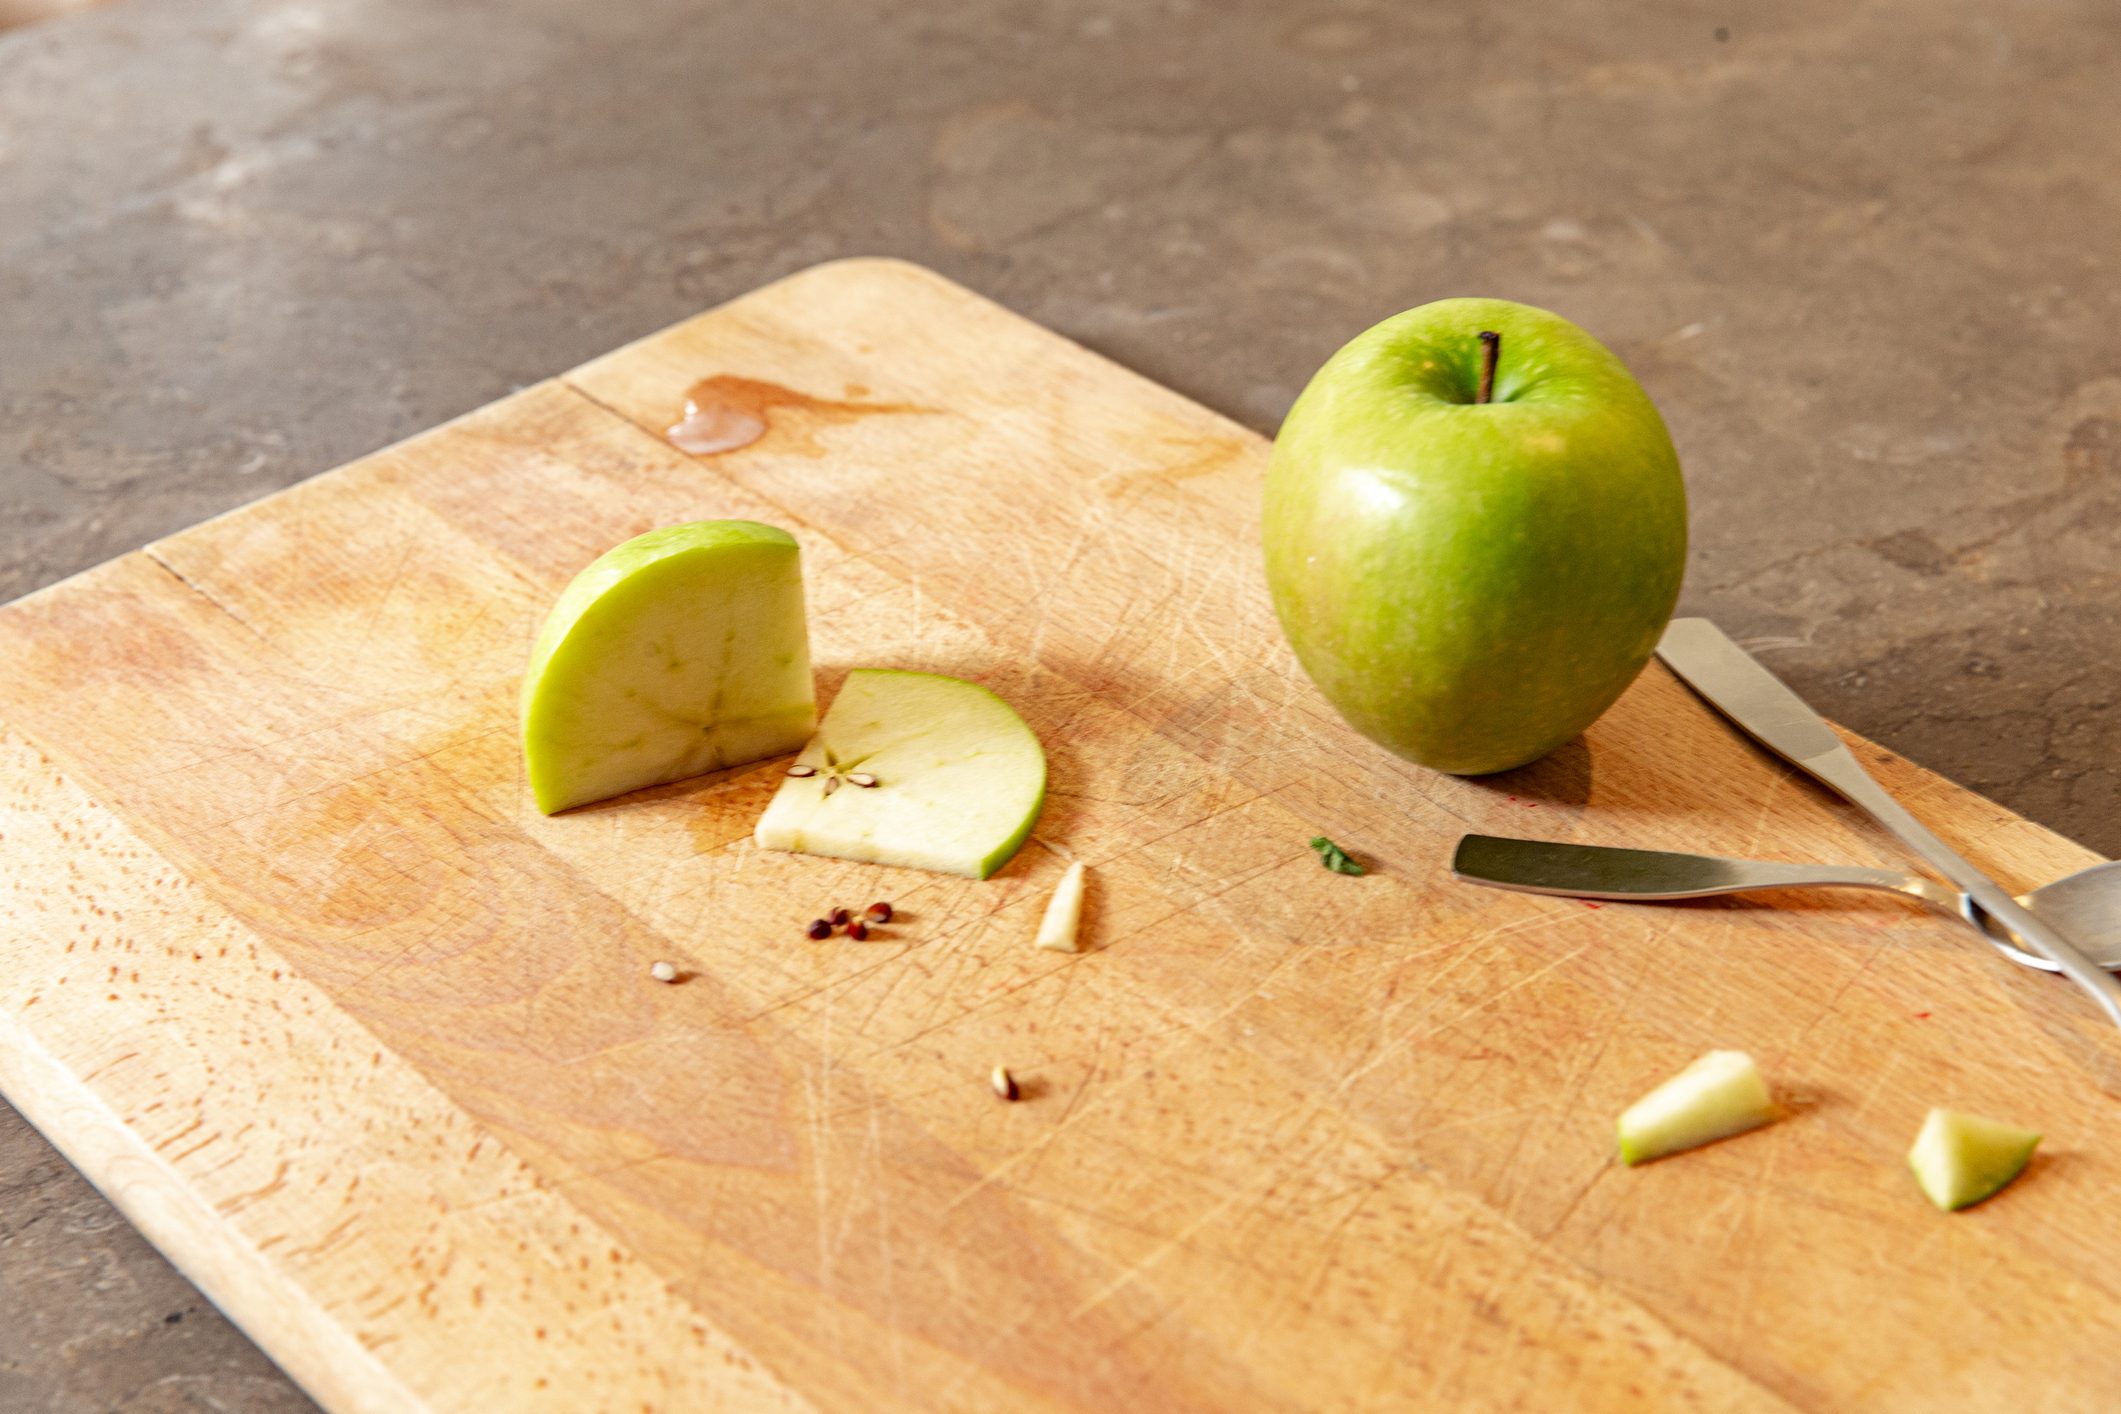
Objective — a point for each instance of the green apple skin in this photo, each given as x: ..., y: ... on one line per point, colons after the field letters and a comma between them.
x: 1472, y: 584
x: 681, y: 651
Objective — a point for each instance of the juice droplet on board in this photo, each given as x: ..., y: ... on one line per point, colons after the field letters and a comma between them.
x: 726, y: 412
x: 715, y: 427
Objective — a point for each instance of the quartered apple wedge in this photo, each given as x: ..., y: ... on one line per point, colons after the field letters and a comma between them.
x: 679, y: 652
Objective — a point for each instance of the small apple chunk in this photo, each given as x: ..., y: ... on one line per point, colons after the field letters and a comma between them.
x: 1717, y: 1096
x: 1960, y: 1159
x: 1063, y: 919
x: 680, y: 652
x: 916, y: 769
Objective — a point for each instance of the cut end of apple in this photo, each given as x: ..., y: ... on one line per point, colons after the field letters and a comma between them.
x: 1717, y: 1096
x: 1059, y: 929
x: 915, y: 769
x: 680, y: 652
x: 1960, y: 1159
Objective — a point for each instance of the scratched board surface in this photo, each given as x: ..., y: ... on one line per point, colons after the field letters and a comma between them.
x: 292, y: 968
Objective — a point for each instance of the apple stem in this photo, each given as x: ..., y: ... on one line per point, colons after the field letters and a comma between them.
x: 1490, y: 347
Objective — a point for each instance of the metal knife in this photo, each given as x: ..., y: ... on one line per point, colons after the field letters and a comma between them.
x: 1735, y: 684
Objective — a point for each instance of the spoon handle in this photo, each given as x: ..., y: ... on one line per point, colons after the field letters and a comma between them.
x: 1650, y: 876
x: 1602, y: 871
x: 1755, y: 699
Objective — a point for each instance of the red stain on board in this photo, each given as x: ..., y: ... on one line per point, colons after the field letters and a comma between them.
x: 1588, y: 904
x: 1922, y: 1016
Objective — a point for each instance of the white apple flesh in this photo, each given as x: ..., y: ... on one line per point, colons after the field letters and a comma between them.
x: 915, y: 769
x: 1063, y: 920
x: 679, y: 652
x: 1717, y: 1096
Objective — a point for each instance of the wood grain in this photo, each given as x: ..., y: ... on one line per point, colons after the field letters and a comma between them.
x: 294, y: 970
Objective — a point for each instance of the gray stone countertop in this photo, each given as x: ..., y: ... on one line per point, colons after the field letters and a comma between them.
x: 1864, y: 257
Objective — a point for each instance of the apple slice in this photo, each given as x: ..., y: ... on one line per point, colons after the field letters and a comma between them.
x: 1064, y: 912
x: 677, y: 653
x: 914, y: 769
x: 1717, y: 1096
x: 1960, y: 1159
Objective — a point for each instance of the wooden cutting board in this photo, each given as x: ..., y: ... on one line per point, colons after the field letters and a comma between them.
x: 292, y: 969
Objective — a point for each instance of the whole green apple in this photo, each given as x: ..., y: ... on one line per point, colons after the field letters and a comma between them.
x: 1475, y: 530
